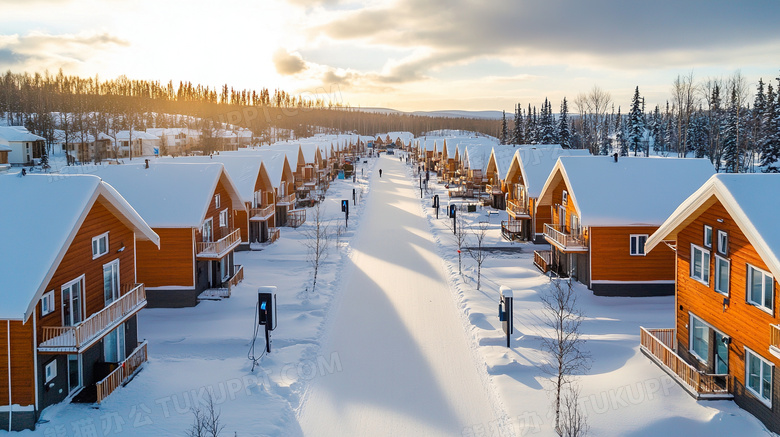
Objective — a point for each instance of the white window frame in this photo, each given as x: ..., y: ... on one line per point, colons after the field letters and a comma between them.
x: 723, y: 242
x: 117, y: 291
x: 50, y: 371
x: 96, y: 248
x: 223, y: 218
x: 758, y: 395
x: 564, y: 198
x: 749, y: 285
x: 691, y: 349
x: 719, y: 287
x: 217, y: 202
x: 47, y: 303
x: 705, y: 279
x: 708, y: 236
x: 209, y: 221
x: 640, y: 252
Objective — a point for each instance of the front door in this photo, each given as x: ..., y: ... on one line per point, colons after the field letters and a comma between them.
x: 74, y: 372
x: 721, y: 354
x: 72, y: 313
x: 114, y: 345
x: 111, y: 282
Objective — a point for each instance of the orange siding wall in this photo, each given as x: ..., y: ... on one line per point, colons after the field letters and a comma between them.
x: 213, y: 212
x: 611, y: 258
x: 557, y: 198
x: 745, y: 324
x: 172, y: 264
x: 22, y: 368
x: 78, y: 261
x: 242, y: 222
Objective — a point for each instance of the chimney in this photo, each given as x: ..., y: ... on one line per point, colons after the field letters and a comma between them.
x: 616, y: 157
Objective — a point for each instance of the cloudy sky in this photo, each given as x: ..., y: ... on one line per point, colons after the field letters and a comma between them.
x: 402, y: 54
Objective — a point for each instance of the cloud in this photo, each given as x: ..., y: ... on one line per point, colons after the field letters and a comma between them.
x: 288, y: 64
x: 38, y: 50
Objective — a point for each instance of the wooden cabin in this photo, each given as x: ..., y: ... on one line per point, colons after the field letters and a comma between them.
x: 283, y: 181
x: 522, y: 183
x: 22, y: 146
x: 602, y: 210
x: 192, y: 208
x: 69, y: 294
x: 726, y: 339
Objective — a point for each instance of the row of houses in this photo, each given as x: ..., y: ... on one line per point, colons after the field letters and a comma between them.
x: 655, y: 226
x: 159, y: 233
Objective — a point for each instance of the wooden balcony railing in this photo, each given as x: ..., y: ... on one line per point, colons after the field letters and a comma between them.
x: 564, y: 240
x: 126, y: 368
x: 261, y: 213
x: 517, y: 208
x: 774, y: 332
x: 76, y: 338
x: 493, y: 189
x: 273, y: 234
x: 286, y: 200
x: 543, y: 260
x: 296, y: 217
x: 217, y: 249
x: 658, y: 344
x: 511, y: 229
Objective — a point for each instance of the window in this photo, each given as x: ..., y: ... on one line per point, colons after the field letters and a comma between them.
x: 216, y: 201
x: 707, y: 236
x: 100, y: 245
x: 47, y: 303
x: 700, y: 338
x: 223, y: 218
x: 722, y: 268
x: 207, y: 232
x: 50, y: 371
x: 760, y: 288
x: 111, y: 282
x: 564, y: 198
x: 72, y: 312
x: 723, y: 242
x: 638, y: 244
x: 700, y: 264
x: 758, y: 376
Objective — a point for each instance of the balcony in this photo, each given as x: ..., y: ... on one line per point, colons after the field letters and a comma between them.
x: 774, y: 340
x: 296, y: 217
x: 218, y: 249
x: 286, y: 200
x: 511, y: 230
x: 566, y: 242
x: 226, y: 289
x: 493, y: 189
x: 543, y: 260
x: 518, y: 209
x: 658, y: 345
x: 273, y: 234
x: 124, y: 371
x: 75, y: 339
x: 262, y: 213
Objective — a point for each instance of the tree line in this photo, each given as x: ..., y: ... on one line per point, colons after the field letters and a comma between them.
x: 712, y: 118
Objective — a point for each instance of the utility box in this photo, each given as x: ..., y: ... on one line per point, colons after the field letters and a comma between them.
x: 266, y: 301
x: 452, y: 211
x: 435, y: 201
x: 505, y: 310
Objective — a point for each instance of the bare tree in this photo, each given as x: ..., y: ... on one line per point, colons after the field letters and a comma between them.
x: 207, y: 420
x: 564, y: 318
x: 317, y: 241
x: 478, y: 252
x: 685, y: 100
x: 738, y: 83
x: 460, y: 233
x: 574, y: 422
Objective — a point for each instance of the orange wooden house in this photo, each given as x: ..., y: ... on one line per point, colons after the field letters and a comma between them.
x: 522, y: 184
x: 192, y: 207
x: 602, y: 210
x: 726, y: 339
x: 69, y: 293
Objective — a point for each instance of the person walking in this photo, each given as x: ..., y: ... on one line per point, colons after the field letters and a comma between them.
x: 380, y: 172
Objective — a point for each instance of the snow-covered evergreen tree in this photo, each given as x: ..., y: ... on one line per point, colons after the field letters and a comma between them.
x: 517, y: 131
x: 503, y: 127
x: 528, y: 126
x: 729, y: 136
x: 656, y: 129
x: 636, y: 127
x: 564, y: 136
x: 620, y: 136
x: 547, y: 124
x: 770, y: 154
x: 534, y: 128
x: 715, y: 123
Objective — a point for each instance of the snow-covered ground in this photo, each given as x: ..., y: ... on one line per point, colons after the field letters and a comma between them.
x: 194, y: 351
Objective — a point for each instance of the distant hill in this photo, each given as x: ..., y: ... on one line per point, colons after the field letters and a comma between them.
x: 488, y: 115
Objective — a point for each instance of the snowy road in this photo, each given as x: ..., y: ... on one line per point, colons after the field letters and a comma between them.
x: 408, y: 368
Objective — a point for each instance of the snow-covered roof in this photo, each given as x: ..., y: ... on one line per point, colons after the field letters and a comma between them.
x: 744, y: 196
x: 273, y: 161
x: 632, y: 191
x: 536, y: 163
x: 167, y: 194
x: 243, y: 169
x: 36, y: 233
x: 18, y: 134
x: 124, y: 135
x: 5, y: 148
x: 291, y: 150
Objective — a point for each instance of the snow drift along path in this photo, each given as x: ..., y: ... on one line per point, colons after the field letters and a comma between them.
x: 408, y: 368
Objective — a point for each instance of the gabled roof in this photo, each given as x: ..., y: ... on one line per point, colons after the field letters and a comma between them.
x: 5, y: 148
x: 124, y: 135
x: 167, y: 194
x: 17, y: 134
x: 35, y: 235
x: 275, y: 162
x: 747, y: 198
x: 242, y: 169
x: 632, y: 191
x: 536, y: 163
